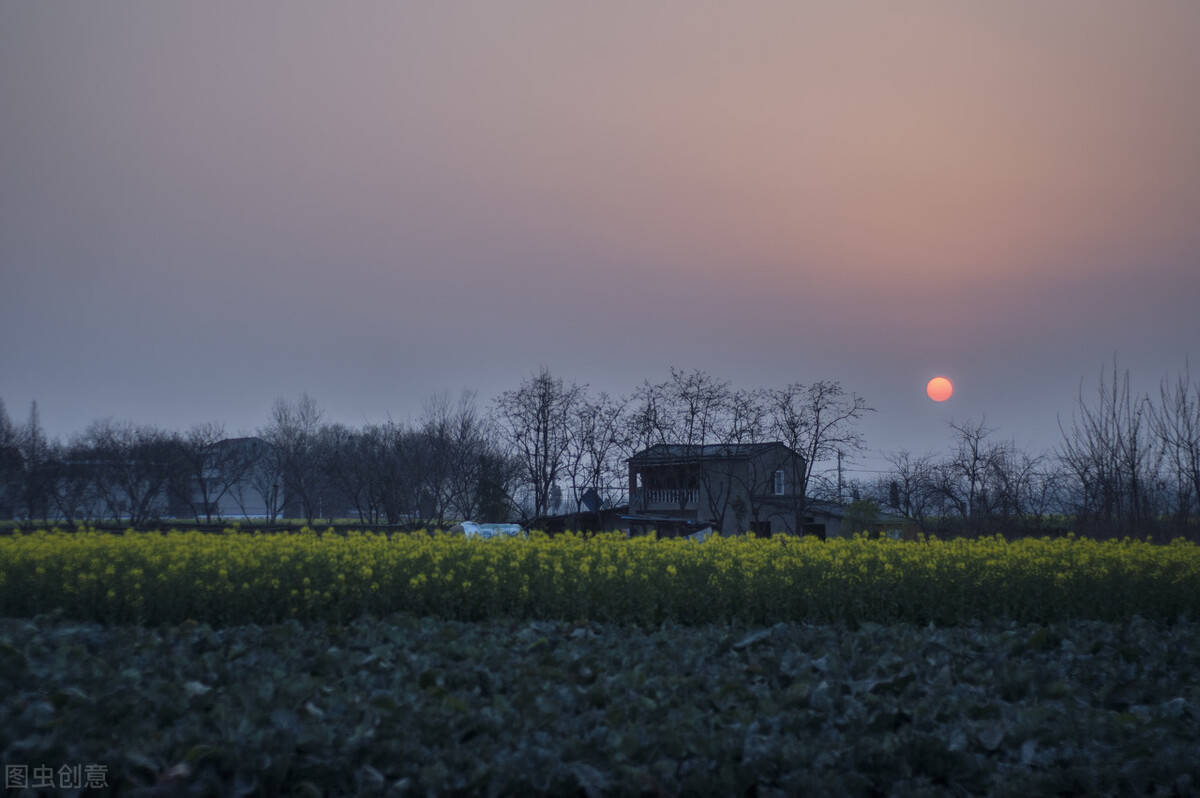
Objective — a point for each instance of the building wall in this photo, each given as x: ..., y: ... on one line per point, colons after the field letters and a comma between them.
x: 740, y: 487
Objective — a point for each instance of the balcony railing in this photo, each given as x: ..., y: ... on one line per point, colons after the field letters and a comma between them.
x: 677, y: 497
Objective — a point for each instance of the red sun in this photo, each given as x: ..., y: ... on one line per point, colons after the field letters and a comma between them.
x: 940, y: 389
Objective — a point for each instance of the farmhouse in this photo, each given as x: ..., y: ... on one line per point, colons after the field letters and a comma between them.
x: 727, y: 488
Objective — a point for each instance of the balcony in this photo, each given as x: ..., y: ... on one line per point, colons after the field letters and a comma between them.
x: 668, y: 497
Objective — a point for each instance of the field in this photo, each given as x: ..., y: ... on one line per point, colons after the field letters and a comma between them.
x: 313, y: 664
x: 251, y: 578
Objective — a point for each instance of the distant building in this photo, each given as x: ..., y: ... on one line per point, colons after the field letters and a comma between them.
x: 682, y: 490
x: 240, y: 482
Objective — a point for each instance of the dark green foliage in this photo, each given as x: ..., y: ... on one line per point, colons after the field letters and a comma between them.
x: 419, y: 706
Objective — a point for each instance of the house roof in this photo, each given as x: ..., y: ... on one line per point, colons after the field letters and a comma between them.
x: 651, y: 518
x: 679, y: 452
x: 615, y: 510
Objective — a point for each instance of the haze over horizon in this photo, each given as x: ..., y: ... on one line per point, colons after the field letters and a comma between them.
x: 204, y: 207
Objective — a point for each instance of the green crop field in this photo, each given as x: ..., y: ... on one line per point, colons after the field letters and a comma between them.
x: 323, y: 664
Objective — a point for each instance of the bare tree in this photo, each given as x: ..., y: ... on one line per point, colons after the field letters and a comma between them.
x: 487, y: 480
x: 435, y: 454
x: 703, y: 413
x: 535, y: 423
x: 982, y: 486
x: 749, y: 419
x: 37, y: 476
x: 133, y: 467
x: 454, y: 442
x: 293, y: 434
x: 344, y: 463
x: 215, y: 467
x: 648, y: 423
x: 394, y: 453
x: 691, y: 412
x: 1175, y: 422
x: 76, y: 492
x: 10, y: 465
x: 1024, y: 488
x: 8, y: 433
x: 475, y: 462
x: 593, y: 464
x: 815, y: 421
x: 372, y: 469
x: 751, y: 478
x: 699, y: 406
x: 266, y: 480
x: 1110, y: 452
x: 910, y: 485
x: 962, y: 479
x: 991, y: 486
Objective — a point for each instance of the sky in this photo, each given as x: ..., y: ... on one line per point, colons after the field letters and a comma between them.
x: 207, y: 206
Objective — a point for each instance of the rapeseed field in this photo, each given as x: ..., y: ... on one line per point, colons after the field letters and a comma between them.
x: 245, y: 577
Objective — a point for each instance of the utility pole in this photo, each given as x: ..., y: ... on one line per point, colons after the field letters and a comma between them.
x: 839, y: 466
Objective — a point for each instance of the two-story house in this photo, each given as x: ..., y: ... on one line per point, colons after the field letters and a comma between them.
x: 729, y: 488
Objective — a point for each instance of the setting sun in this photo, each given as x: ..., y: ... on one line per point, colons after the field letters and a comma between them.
x: 939, y: 389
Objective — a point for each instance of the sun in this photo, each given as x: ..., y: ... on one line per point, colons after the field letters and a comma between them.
x: 940, y: 389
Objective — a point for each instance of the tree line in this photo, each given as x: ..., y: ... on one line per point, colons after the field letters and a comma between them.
x: 1127, y: 463
x: 548, y: 446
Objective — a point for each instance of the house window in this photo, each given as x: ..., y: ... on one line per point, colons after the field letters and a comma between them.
x: 779, y: 483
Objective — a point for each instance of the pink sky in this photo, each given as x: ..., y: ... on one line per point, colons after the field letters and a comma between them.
x: 204, y: 206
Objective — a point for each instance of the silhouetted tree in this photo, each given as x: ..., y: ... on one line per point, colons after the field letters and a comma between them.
x: 1175, y: 422
x: 1109, y: 450
x: 455, y: 440
x: 816, y: 421
x: 345, y: 463
x: 213, y: 467
x: 265, y: 479
x: 691, y: 412
x: 909, y: 486
x: 37, y: 470
x: 751, y: 483
x: 962, y: 479
x: 535, y: 424
x: 132, y: 467
x: 394, y: 451
x: 76, y: 494
x: 498, y: 477
x: 10, y: 466
x: 594, y: 466
x: 293, y: 433
x: 478, y: 465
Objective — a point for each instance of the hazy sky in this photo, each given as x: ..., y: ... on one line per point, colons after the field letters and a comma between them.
x: 208, y: 205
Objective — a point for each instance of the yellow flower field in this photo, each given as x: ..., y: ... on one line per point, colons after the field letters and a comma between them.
x: 243, y: 577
